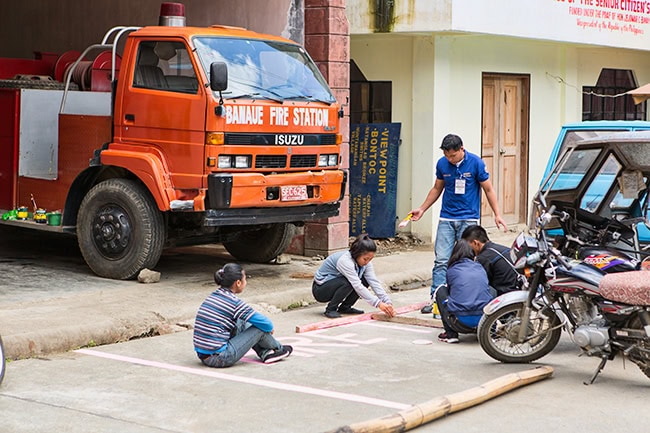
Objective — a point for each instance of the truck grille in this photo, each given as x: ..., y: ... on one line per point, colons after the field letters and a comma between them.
x: 280, y: 161
x: 303, y: 161
x: 270, y: 161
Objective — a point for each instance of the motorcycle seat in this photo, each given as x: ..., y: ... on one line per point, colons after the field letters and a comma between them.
x: 631, y: 287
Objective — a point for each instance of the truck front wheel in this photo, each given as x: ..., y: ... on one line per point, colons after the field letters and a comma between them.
x: 262, y: 245
x: 120, y: 229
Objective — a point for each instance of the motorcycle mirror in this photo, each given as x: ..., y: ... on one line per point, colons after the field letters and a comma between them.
x: 542, y: 200
x: 646, y: 209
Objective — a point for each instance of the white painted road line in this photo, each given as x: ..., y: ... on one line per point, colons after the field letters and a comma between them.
x: 209, y: 372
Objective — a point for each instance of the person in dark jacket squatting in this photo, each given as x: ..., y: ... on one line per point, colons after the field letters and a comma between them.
x: 226, y: 327
x: 345, y: 276
x: 495, y: 259
x: 462, y: 299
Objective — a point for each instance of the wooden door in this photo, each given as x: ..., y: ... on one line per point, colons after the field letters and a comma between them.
x: 504, y: 145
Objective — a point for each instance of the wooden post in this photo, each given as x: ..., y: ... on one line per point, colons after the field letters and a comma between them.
x: 430, y: 323
x: 354, y: 319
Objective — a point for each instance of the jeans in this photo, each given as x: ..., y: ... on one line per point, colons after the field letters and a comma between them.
x: 338, y: 292
x: 448, y: 233
x: 245, y: 337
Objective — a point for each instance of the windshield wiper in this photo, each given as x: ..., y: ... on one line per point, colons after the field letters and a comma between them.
x: 244, y: 95
x: 256, y: 95
x: 307, y: 98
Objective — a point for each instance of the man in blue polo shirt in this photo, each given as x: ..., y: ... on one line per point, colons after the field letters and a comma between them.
x: 460, y: 176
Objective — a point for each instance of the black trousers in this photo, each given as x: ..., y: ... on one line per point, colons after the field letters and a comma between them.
x: 337, y: 292
x: 449, y: 321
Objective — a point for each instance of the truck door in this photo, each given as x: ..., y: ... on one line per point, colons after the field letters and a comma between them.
x: 164, y: 107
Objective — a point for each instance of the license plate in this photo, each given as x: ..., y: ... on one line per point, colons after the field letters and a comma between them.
x: 292, y: 193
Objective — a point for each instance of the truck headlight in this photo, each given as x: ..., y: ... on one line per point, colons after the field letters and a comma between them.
x: 322, y: 161
x: 242, y: 161
x: 225, y: 161
x: 328, y: 160
x: 234, y: 161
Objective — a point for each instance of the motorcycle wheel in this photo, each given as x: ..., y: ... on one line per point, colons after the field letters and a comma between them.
x: 497, y: 334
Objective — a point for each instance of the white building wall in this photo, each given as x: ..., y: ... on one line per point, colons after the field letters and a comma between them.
x: 437, y: 86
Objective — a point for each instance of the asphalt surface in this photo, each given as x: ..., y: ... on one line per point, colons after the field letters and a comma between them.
x: 335, y: 377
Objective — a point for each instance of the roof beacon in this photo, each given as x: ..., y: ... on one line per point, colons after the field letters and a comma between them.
x: 172, y: 15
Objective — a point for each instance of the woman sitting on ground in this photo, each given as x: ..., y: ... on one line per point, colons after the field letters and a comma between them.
x: 461, y: 301
x: 226, y: 327
x: 345, y: 276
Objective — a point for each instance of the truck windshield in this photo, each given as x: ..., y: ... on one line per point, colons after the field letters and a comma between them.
x: 261, y: 69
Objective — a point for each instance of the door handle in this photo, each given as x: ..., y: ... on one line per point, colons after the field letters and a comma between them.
x: 502, y: 151
x: 129, y: 117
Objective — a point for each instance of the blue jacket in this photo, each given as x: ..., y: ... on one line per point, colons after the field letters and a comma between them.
x: 469, y: 290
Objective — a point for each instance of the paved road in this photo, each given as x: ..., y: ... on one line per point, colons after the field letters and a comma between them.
x: 335, y: 377
x: 51, y: 303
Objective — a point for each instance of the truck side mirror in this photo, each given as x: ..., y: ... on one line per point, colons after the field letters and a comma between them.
x: 218, y: 76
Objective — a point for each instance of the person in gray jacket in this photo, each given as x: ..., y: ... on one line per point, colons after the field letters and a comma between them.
x: 347, y: 275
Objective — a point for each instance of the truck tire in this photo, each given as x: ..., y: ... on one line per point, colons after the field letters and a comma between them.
x: 120, y: 230
x: 261, y: 246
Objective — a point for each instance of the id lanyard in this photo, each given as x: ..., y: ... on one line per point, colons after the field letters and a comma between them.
x: 459, y: 183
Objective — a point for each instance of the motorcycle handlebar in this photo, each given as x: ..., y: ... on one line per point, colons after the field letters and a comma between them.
x: 546, y: 217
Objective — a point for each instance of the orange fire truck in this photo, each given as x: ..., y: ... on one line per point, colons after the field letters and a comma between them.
x: 187, y: 136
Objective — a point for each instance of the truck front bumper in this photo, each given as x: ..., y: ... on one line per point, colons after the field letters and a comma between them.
x: 255, y: 198
x: 238, y: 217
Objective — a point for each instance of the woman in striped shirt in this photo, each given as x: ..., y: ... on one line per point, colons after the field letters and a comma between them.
x: 226, y: 327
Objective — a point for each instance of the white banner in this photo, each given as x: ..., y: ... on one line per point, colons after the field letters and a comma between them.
x: 614, y: 23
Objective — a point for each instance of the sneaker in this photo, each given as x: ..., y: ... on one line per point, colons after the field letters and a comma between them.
x: 332, y: 314
x: 349, y: 310
x: 427, y: 309
x: 448, y: 338
x: 277, y: 355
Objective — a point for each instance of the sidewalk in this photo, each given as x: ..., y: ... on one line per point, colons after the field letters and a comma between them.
x: 105, y: 311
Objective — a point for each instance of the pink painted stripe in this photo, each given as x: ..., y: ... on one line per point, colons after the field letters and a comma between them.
x: 251, y: 381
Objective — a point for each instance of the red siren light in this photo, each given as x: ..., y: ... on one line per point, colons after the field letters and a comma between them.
x: 172, y: 14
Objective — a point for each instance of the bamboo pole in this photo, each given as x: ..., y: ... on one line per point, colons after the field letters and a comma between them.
x: 439, y: 407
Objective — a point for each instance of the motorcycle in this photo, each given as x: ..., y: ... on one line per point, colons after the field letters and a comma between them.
x: 606, y: 314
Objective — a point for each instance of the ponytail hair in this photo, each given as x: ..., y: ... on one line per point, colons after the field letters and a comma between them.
x: 228, y: 275
x: 361, y: 245
x: 462, y: 250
